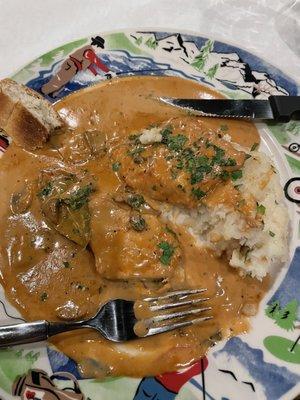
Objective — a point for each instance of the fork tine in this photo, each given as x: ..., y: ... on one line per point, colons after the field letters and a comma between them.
x: 179, y: 314
x: 177, y: 325
x: 176, y: 293
x: 167, y: 306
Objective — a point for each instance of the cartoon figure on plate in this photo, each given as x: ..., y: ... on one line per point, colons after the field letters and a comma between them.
x: 37, y: 385
x: 168, y: 385
x: 81, y: 60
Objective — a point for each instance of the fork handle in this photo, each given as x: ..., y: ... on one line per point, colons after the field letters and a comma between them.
x: 31, y: 332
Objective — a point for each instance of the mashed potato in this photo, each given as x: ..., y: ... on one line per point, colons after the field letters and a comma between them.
x: 253, y: 249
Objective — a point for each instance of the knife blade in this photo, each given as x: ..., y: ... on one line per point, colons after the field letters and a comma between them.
x: 278, y: 108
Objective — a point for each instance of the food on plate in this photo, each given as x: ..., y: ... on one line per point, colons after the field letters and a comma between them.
x: 130, y: 198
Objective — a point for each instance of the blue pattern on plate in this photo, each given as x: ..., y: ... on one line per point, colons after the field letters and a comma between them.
x: 275, y: 380
x: 289, y: 288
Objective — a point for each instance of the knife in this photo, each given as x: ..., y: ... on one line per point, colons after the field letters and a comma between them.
x: 276, y: 108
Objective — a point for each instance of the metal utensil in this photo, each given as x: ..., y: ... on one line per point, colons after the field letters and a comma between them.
x: 116, y: 319
x: 276, y: 108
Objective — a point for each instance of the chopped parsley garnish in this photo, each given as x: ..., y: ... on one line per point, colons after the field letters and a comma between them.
x: 174, y: 173
x: 66, y: 264
x: 168, y: 158
x: 223, y: 128
x: 272, y: 234
x: 44, y: 296
x: 198, y: 193
x: 236, y: 175
x: 46, y: 190
x: 135, y: 201
x: 260, y: 209
x: 167, y: 252
x: 176, y: 143
x: 219, y: 154
x: 230, y: 162
x: 135, y: 153
x: 198, y: 166
x: 247, y: 156
x: 196, y: 176
x: 116, y: 166
x: 224, y: 175
x: 137, y: 222
x: 180, y: 164
x: 134, y: 138
x: 254, y: 146
x: 169, y: 230
x: 79, y: 198
x: 165, y: 133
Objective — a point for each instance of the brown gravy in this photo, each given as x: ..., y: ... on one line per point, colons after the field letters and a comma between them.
x: 47, y: 276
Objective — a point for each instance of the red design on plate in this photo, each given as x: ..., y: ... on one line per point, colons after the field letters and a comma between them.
x: 174, y: 381
x: 30, y: 395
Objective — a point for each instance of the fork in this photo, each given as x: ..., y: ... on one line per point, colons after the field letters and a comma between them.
x: 116, y: 320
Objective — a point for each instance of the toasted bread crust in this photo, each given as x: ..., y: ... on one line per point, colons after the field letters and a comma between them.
x: 6, y: 108
x: 18, y: 122
x: 25, y: 129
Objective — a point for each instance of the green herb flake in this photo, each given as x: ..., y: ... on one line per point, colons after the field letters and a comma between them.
x: 137, y: 222
x: 165, y: 133
x: 230, y: 162
x: 135, y: 201
x: 235, y: 175
x: 254, y: 146
x: 134, y: 138
x: 46, y: 190
x: 169, y: 230
x: 224, y: 175
x: 180, y: 164
x: 79, y: 198
x: 174, y: 173
x: 198, y: 193
x: 44, y: 296
x: 272, y: 234
x: 116, y: 166
x: 260, y: 209
x: 168, y: 158
x: 167, y: 252
x: 176, y: 143
x: 196, y: 177
x: 66, y: 264
x: 219, y: 154
x: 223, y: 128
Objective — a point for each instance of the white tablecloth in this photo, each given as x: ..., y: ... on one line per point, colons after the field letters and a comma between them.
x: 268, y: 28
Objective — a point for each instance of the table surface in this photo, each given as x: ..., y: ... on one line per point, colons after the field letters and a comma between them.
x: 268, y: 28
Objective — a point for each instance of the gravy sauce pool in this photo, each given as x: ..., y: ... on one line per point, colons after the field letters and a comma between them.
x: 47, y: 276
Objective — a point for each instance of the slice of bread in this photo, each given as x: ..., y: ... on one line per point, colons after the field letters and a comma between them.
x: 26, y: 116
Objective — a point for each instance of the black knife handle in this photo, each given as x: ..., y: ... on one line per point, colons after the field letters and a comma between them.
x: 285, y: 108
